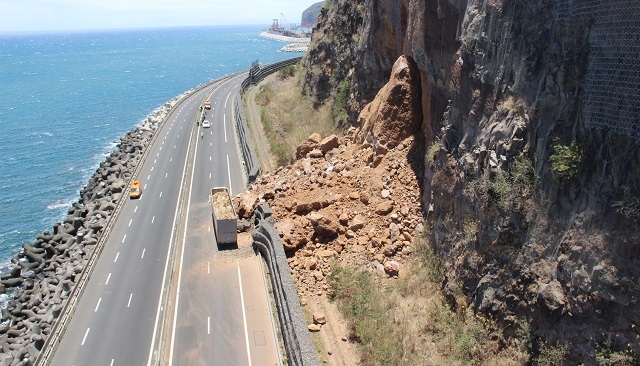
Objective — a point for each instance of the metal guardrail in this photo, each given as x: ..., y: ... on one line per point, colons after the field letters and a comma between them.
x: 60, y: 325
x: 256, y: 74
x: 297, y: 340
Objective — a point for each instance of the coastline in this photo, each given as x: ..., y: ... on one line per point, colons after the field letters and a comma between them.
x: 39, y: 280
x: 280, y: 38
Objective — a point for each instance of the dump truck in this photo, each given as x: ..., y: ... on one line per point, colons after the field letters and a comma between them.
x: 225, y: 220
x: 136, y: 189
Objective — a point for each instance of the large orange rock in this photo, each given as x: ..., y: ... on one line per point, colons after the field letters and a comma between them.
x: 396, y: 111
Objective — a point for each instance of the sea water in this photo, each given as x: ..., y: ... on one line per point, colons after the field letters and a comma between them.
x: 66, y: 98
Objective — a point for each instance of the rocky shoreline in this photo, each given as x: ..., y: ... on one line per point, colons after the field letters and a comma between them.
x: 43, y: 274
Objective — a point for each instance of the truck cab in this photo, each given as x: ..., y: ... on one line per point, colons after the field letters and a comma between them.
x: 136, y: 189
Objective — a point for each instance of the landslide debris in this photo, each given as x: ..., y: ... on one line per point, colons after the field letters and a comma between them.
x: 340, y: 204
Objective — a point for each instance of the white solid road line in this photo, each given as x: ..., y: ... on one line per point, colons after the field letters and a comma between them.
x: 108, y: 278
x: 244, y: 315
x: 166, y: 265
x: 142, y: 256
x: 85, y: 336
x: 229, y: 172
x: 225, y: 102
x: 117, y: 255
x: 184, y: 239
x: 129, y: 303
x: 97, y: 305
x: 124, y: 238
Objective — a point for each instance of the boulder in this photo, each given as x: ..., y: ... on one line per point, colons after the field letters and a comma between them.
x: 316, y: 154
x: 324, y: 226
x: 384, y: 207
x: 313, y: 203
x: 303, y: 149
x: 319, y: 318
x: 396, y: 111
x: 392, y: 268
x: 552, y: 295
x: 314, y: 138
x: 246, y: 203
x: 328, y: 144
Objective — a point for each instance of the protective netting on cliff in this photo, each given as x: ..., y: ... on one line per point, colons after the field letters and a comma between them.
x: 612, y: 85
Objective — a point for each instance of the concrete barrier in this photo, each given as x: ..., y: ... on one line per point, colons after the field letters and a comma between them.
x: 60, y: 325
x: 295, y: 334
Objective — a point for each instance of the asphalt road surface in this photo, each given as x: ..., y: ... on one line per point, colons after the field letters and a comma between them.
x: 218, y: 311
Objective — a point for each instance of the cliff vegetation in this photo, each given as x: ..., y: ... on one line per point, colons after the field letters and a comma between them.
x: 525, y: 119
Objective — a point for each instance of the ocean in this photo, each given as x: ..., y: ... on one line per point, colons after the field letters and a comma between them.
x: 66, y: 98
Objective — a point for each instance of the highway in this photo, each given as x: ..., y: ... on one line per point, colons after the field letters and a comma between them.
x: 218, y: 310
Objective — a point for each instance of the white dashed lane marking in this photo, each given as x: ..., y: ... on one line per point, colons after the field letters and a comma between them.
x: 97, y: 305
x: 85, y: 336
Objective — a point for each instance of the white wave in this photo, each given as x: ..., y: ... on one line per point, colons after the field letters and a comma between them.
x: 63, y: 203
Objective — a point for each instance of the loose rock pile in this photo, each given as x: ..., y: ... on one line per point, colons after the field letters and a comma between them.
x: 342, y: 200
x: 43, y: 274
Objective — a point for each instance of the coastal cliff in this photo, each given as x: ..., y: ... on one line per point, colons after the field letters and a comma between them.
x: 529, y: 115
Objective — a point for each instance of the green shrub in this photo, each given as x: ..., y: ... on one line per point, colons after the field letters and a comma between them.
x: 607, y: 357
x: 264, y: 95
x: 566, y: 161
x: 286, y: 72
x: 552, y: 355
x: 510, y: 189
x: 514, y: 187
x: 366, y: 306
x: 433, y: 151
x: 341, y: 100
x: 629, y: 204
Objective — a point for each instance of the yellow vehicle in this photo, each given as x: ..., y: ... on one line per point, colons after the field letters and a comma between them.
x: 207, y: 104
x: 136, y: 189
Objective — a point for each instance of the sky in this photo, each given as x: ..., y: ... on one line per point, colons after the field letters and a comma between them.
x: 61, y: 15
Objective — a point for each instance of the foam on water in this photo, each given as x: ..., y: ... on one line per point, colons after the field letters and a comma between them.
x: 68, y: 98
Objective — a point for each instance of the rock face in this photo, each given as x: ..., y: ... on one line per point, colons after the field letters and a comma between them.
x: 310, y: 15
x: 396, y: 111
x: 506, y: 91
